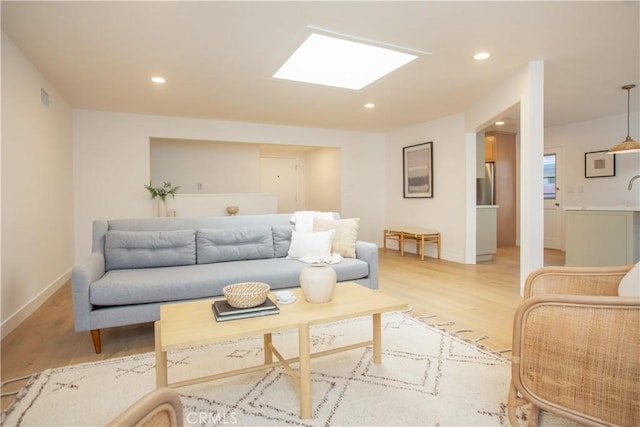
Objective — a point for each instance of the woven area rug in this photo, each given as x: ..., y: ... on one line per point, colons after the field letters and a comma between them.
x: 427, y: 378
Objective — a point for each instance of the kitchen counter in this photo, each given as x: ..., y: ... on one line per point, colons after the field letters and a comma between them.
x: 623, y: 208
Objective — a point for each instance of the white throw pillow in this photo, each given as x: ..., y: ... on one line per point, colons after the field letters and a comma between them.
x: 311, y: 244
x: 630, y: 284
x: 303, y: 220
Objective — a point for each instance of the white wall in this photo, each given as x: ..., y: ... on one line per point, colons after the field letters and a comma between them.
x: 446, y: 210
x: 576, y: 139
x: 1, y: 111
x: 452, y: 210
x: 220, y: 167
x: 37, y: 215
x: 105, y: 142
x: 527, y: 88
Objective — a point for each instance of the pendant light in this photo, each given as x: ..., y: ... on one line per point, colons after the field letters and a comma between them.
x: 628, y: 145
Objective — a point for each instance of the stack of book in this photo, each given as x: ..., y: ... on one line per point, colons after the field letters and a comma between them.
x: 223, y: 311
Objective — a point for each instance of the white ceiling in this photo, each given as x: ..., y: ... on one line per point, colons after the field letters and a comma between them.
x: 218, y: 57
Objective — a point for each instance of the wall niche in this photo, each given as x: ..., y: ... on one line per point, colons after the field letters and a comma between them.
x: 203, y: 167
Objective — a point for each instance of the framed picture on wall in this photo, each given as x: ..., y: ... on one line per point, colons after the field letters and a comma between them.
x: 417, y: 170
x: 598, y: 164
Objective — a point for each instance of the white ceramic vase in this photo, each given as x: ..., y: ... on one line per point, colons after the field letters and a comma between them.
x: 162, y: 207
x: 318, y: 282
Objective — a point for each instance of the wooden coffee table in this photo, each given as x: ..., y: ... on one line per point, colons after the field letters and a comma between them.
x: 192, y: 324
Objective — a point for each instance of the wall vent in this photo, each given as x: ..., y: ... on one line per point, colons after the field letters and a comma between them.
x: 44, y: 97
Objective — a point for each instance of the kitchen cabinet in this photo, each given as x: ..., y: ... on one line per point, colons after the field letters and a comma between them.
x: 486, y: 227
x: 490, y: 148
x: 602, y: 236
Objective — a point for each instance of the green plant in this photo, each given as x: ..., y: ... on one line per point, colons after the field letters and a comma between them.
x: 162, y: 192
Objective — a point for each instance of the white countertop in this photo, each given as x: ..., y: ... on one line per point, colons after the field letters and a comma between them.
x: 487, y: 206
x: 603, y: 208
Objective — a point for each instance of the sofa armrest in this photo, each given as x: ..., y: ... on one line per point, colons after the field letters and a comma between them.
x: 593, y: 281
x: 368, y: 252
x: 82, y: 276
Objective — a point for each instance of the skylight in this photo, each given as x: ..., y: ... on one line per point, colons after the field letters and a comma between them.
x: 336, y: 62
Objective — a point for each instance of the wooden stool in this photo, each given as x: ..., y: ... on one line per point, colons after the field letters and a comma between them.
x: 419, y: 234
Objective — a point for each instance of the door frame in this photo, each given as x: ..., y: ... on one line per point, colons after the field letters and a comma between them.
x: 558, y: 201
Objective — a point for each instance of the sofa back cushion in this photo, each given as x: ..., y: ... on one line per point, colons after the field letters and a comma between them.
x: 142, y: 249
x: 234, y: 244
x: 281, y: 240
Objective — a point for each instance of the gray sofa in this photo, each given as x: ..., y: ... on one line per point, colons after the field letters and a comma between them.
x: 136, y: 265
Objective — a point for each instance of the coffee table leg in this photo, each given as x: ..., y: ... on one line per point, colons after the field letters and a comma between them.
x: 268, y: 356
x: 304, y: 345
x: 377, y: 338
x: 161, y: 359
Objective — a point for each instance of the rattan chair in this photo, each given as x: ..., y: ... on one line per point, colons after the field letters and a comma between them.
x: 159, y: 408
x: 576, y: 348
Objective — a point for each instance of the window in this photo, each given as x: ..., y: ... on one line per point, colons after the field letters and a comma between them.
x: 549, y: 176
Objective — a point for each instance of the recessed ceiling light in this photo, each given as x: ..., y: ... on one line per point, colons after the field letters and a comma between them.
x: 369, y: 105
x: 481, y: 56
x: 499, y: 123
x: 340, y: 63
x: 158, y: 79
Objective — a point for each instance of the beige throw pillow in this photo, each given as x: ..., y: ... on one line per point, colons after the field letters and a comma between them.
x: 344, y: 241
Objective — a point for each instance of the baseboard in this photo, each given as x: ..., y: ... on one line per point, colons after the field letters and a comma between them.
x: 447, y: 256
x: 26, y: 310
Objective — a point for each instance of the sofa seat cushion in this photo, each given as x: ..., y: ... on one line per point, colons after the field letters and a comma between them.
x: 138, y: 286
x: 142, y: 249
x: 234, y: 244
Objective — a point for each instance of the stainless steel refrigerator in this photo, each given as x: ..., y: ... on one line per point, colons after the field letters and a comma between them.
x: 485, y: 187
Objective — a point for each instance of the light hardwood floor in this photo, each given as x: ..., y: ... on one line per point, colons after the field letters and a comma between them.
x: 480, y: 297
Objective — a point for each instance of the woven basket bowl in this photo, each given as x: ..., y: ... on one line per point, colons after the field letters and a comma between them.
x: 247, y: 294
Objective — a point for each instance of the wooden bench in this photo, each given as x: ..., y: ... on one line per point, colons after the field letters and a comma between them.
x: 419, y: 234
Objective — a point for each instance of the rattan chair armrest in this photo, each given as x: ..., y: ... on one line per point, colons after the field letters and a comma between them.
x: 602, y: 281
x: 159, y: 408
x: 577, y: 357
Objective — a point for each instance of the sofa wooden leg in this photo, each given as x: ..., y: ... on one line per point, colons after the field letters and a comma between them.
x: 97, y: 345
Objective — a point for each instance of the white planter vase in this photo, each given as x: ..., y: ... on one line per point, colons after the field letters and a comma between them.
x: 318, y: 282
x: 162, y: 207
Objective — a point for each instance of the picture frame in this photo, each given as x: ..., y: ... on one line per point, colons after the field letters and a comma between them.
x: 417, y: 171
x: 599, y: 164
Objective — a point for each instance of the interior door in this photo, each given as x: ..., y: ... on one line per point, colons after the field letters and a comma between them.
x: 553, y: 229
x: 279, y: 176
